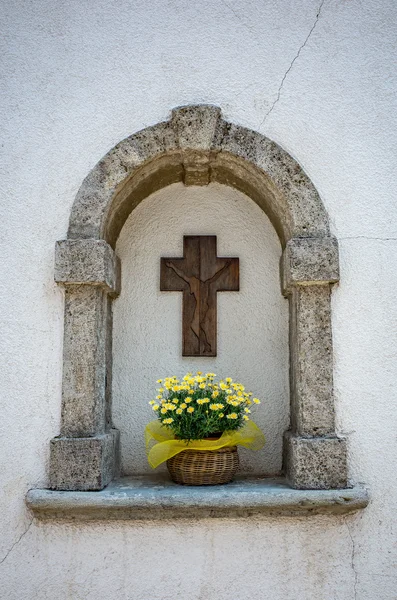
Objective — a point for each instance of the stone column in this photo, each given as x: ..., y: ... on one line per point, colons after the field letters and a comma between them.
x: 85, y: 455
x: 314, y: 456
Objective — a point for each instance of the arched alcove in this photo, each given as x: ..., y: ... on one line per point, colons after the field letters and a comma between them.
x: 195, y: 147
x: 147, y: 323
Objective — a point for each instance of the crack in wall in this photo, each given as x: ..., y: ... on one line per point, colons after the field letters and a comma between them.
x: 7, y: 554
x: 369, y: 238
x: 237, y: 16
x: 292, y: 64
x: 353, y: 560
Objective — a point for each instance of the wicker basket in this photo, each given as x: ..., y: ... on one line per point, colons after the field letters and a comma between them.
x: 204, y: 467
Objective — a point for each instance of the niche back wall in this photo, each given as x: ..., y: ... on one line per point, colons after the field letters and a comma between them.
x: 252, y: 323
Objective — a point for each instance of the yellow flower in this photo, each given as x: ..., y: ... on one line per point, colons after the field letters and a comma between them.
x: 168, y: 421
x: 159, y: 381
x: 232, y: 416
x: 175, y: 400
x: 163, y: 411
x: 188, y: 399
x: 221, y: 415
x: 228, y: 380
x: 214, y: 406
x: 156, y: 407
x: 215, y: 394
x: 246, y: 418
x: 190, y: 409
x: 247, y: 410
x: 161, y: 390
x: 176, y: 388
x: 199, y: 372
x: 182, y: 406
x: 152, y: 402
x: 256, y: 401
x: 232, y: 402
x: 159, y: 397
x: 202, y: 386
x: 179, y: 411
x: 223, y: 386
x: 202, y: 401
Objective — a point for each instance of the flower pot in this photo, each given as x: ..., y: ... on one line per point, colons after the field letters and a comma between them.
x: 204, y: 467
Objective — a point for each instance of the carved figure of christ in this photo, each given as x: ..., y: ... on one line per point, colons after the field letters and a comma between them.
x: 200, y: 274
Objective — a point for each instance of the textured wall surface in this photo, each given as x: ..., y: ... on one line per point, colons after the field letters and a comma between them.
x: 253, y: 323
x: 319, y: 78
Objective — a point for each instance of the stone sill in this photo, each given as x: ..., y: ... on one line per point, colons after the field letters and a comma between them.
x: 154, y: 498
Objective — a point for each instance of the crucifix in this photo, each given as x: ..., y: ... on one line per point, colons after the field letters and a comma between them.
x: 200, y: 274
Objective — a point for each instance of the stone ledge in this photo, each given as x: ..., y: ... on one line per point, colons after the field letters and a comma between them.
x: 158, y: 498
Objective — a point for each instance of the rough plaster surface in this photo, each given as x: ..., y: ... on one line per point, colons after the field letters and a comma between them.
x: 147, y: 323
x: 81, y: 77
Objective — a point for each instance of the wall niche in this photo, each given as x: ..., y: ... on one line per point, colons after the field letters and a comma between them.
x: 196, y: 148
x: 252, y: 324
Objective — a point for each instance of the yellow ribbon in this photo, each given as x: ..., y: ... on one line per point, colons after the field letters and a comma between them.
x: 162, y: 445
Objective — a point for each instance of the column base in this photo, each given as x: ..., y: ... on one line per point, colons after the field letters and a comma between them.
x: 315, y: 463
x: 84, y: 464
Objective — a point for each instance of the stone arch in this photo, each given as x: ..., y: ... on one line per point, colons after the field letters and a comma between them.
x: 195, y: 146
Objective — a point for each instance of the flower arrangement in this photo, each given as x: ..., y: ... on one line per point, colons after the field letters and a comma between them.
x: 198, y: 407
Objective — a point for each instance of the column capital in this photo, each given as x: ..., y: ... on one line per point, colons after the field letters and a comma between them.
x: 309, y: 261
x: 87, y: 262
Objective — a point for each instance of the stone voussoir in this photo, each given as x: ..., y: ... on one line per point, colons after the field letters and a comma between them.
x: 195, y: 126
x: 87, y: 261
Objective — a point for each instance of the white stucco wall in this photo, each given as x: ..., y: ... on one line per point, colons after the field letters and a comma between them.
x: 79, y: 77
x: 252, y: 324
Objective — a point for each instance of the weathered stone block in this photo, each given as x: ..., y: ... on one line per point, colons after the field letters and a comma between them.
x: 85, y: 361
x: 196, y: 125
x: 310, y: 261
x: 315, y: 463
x: 91, y: 262
x: 311, y: 374
x: 83, y: 464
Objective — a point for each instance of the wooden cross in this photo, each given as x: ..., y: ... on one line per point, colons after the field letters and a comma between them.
x: 200, y: 274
